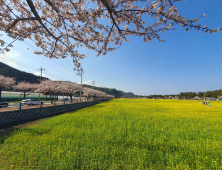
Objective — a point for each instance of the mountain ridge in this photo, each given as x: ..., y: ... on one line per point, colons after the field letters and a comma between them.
x: 19, y: 76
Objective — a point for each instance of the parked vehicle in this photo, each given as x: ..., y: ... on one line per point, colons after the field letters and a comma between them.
x: 31, y: 102
x: 3, y: 104
x: 65, y: 99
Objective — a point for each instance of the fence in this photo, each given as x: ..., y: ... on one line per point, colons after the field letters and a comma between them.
x: 21, y: 116
x: 18, y: 96
x: 12, y: 98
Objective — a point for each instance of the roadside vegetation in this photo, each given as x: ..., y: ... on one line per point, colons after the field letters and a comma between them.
x: 121, y: 134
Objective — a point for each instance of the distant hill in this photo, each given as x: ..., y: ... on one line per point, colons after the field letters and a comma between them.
x: 117, y: 93
x: 19, y: 76
x: 129, y: 94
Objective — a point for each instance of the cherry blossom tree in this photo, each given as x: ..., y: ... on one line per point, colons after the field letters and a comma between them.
x: 100, y: 94
x: 51, y: 87
x: 70, y: 88
x: 87, y: 92
x: 5, y: 82
x: 58, y: 27
x: 25, y: 87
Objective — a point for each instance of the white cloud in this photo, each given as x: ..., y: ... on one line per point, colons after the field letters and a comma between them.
x: 89, y: 82
x: 45, y: 75
x: 10, y: 58
x: 174, y: 90
x: 39, y: 73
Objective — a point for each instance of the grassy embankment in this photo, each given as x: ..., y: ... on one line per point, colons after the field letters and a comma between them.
x: 121, y: 134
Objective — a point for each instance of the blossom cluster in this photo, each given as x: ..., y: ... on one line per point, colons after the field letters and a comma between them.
x: 59, y: 28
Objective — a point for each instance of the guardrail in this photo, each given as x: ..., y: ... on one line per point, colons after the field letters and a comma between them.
x: 29, y: 114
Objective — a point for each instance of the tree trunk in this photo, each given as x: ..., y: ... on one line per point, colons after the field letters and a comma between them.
x: 0, y: 94
x: 71, y: 97
x: 24, y: 95
x: 51, y: 98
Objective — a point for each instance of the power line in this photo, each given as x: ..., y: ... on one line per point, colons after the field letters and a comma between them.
x: 21, y: 63
x: 80, y: 72
x: 28, y: 67
x: 41, y: 62
x: 41, y: 69
x: 63, y: 65
x: 93, y: 83
x: 33, y: 58
x: 59, y: 63
x: 17, y: 63
x: 33, y: 47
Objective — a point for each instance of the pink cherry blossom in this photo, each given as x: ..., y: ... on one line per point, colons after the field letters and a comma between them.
x: 5, y: 82
x: 58, y: 27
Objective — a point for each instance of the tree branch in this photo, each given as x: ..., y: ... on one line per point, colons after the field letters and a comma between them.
x: 106, y: 4
x: 51, y: 4
x: 19, y: 19
x: 31, y: 5
x: 108, y: 36
x: 20, y: 36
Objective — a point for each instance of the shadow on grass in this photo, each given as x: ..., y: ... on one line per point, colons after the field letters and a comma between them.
x: 36, y: 131
x: 27, y: 127
x: 6, y: 133
x: 8, y: 130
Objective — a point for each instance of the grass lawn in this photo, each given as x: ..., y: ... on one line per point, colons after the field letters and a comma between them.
x: 121, y: 134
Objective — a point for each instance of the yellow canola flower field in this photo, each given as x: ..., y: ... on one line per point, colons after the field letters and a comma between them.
x: 121, y: 134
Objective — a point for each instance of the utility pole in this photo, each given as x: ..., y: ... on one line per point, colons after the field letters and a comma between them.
x: 41, y: 77
x: 93, y: 83
x: 79, y: 73
x: 204, y: 96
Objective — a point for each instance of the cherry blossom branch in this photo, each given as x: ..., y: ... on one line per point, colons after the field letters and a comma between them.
x: 21, y: 36
x: 8, y: 7
x: 75, y: 7
x: 168, y: 17
x: 51, y: 4
x: 105, y: 44
x: 31, y: 5
x: 55, y: 9
x: 106, y: 4
x: 19, y: 19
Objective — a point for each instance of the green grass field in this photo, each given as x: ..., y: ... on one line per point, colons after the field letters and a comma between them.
x: 121, y: 134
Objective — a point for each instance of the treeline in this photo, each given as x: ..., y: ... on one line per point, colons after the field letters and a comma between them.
x: 212, y: 94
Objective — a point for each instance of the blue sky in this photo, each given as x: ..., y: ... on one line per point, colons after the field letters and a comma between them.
x: 186, y: 61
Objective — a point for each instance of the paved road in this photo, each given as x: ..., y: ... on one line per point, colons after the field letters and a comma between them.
x: 15, y: 106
